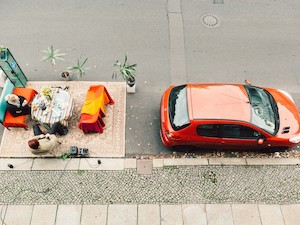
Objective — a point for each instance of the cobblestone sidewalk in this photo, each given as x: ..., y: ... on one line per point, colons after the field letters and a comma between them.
x: 169, y: 184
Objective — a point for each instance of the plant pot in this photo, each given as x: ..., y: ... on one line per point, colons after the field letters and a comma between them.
x: 130, y: 86
x: 130, y: 89
x: 65, y: 75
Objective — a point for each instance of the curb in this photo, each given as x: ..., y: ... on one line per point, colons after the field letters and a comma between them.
x: 131, y: 163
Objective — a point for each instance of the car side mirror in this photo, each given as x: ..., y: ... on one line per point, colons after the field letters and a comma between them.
x: 247, y: 82
x: 260, y: 141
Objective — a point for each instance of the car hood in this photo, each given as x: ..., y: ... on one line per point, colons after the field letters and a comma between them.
x: 288, y: 113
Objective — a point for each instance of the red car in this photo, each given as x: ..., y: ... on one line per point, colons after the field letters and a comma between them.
x: 228, y: 116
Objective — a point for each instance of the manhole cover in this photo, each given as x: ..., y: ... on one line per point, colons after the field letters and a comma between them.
x: 144, y: 166
x: 210, y: 20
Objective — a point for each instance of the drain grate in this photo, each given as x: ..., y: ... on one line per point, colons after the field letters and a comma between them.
x: 210, y: 20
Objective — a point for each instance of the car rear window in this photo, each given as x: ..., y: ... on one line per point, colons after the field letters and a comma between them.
x: 208, y: 130
x: 178, y: 108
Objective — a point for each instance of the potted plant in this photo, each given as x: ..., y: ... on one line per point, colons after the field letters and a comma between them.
x: 78, y: 68
x: 127, y: 72
x: 3, y: 53
x: 65, y: 75
x: 52, y: 55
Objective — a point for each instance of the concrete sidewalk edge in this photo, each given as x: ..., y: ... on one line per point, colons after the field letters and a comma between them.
x: 131, y: 163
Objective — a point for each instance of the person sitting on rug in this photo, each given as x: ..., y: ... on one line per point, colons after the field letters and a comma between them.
x: 17, y: 105
x: 44, y: 143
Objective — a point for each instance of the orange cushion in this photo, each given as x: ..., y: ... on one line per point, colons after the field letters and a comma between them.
x: 10, y: 121
x: 27, y: 93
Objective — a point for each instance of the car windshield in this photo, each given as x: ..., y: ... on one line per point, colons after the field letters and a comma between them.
x: 264, y: 111
x: 178, y: 108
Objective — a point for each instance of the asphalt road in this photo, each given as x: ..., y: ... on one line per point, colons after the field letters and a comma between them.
x: 172, y: 42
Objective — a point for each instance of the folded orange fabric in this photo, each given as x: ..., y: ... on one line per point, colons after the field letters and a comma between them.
x: 96, y: 98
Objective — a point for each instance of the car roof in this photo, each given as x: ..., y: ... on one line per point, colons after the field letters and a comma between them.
x: 218, y: 101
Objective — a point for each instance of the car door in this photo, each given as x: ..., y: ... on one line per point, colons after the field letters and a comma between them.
x: 208, y: 136
x: 235, y: 136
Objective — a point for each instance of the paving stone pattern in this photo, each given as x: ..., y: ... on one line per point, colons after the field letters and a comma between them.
x: 168, y: 184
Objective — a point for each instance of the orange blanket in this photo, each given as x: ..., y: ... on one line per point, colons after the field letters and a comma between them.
x: 97, y: 97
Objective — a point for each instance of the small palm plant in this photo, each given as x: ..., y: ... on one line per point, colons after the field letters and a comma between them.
x: 78, y: 68
x: 125, y: 70
x: 52, y: 55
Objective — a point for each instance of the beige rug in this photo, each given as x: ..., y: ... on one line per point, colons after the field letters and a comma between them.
x: 110, y: 143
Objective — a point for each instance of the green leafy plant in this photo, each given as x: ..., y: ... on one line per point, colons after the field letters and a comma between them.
x: 78, y: 68
x: 210, y: 176
x: 3, y: 54
x: 125, y: 70
x: 2, y: 48
x: 65, y: 155
x: 52, y: 55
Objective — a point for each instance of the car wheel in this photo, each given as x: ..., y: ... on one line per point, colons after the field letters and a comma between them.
x: 183, y: 148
